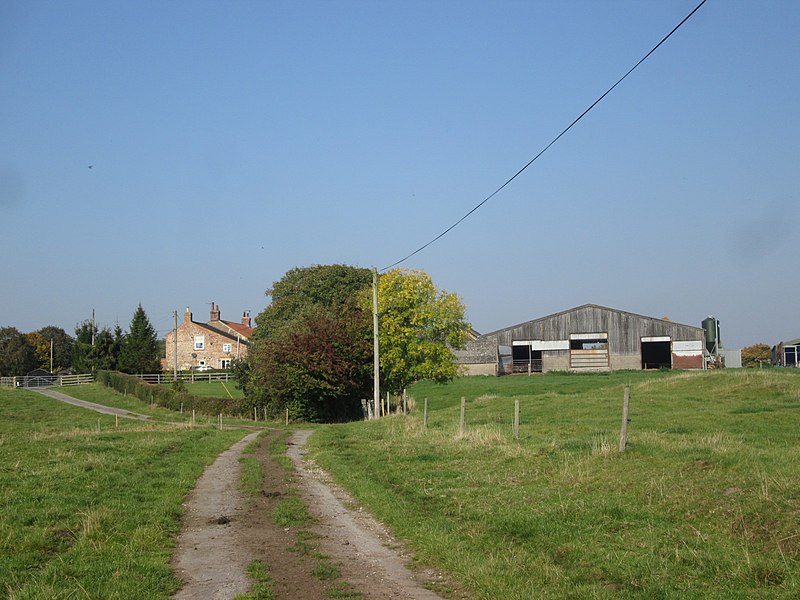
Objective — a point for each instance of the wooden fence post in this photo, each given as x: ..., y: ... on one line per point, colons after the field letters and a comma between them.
x: 287, y: 416
x: 463, y: 414
x: 425, y: 416
x: 623, y: 434
x: 405, y: 402
x: 516, y: 419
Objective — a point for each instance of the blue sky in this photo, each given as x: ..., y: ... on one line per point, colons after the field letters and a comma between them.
x: 230, y: 142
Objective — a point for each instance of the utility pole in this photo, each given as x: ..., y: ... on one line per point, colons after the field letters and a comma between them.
x: 93, y: 327
x: 51, y: 356
x: 376, y: 345
x: 175, y: 343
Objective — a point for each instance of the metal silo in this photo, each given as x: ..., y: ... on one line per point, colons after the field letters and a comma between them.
x: 711, y: 327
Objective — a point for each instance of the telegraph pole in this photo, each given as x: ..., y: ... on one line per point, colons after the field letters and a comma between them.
x: 377, y: 368
x: 92, y: 327
x: 175, y: 343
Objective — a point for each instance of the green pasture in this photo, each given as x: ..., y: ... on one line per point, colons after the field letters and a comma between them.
x: 89, y: 509
x: 214, y: 389
x: 704, y: 503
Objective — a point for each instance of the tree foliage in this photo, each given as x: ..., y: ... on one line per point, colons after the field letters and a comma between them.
x: 139, y: 347
x: 82, y: 360
x: 17, y: 354
x: 319, y: 368
x: 303, y: 289
x: 419, y: 326
x: 62, y: 344
x: 311, y: 350
x: 107, y: 349
x: 755, y: 355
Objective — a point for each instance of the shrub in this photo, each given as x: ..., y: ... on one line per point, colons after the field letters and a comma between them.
x: 170, y: 397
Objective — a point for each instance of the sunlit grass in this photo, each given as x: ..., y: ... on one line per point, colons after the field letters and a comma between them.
x: 92, y: 512
x: 704, y: 501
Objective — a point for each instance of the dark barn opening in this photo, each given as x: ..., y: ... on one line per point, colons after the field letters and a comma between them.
x: 527, y: 360
x: 656, y: 355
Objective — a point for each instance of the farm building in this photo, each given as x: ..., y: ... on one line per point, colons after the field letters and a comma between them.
x: 211, y: 345
x: 586, y: 338
x: 786, y: 354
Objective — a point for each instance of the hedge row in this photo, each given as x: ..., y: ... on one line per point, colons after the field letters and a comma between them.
x: 172, y: 398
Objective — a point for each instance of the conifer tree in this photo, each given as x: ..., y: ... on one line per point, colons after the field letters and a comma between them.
x: 139, y: 352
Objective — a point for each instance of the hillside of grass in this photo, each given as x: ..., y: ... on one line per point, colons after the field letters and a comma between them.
x: 89, y: 509
x: 705, y: 501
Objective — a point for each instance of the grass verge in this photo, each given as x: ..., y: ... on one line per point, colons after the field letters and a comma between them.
x: 88, y: 513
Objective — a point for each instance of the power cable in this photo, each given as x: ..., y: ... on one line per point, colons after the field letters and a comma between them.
x: 547, y: 147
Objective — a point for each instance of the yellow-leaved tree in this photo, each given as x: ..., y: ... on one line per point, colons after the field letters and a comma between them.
x: 419, y: 326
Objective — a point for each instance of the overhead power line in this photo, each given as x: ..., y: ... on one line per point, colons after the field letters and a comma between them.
x: 547, y: 147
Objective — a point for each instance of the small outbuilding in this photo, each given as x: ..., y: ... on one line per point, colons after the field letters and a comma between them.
x: 588, y: 338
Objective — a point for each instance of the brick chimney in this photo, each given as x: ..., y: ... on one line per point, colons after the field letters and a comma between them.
x: 187, y: 316
x: 246, y: 318
x: 214, y: 312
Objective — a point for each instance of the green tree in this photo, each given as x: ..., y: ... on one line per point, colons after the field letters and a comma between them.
x: 82, y: 360
x: 304, y: 288
x: 62, y: 344
x: 307, y: 352
x: 17, y: 354
x: 319, y: 368
x: 419, y: 326
x: 756, y: 355
x: 106, y: 350
x: 139, y: 351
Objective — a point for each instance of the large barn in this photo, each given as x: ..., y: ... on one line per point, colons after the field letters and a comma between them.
x: 586, y: 338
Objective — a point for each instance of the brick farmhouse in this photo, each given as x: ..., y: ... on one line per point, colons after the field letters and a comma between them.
x: 214, y: 344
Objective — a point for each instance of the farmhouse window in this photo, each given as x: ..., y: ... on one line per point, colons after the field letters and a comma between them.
x: 225, y: 363
x: 199, y: 342
x: 226, y: 348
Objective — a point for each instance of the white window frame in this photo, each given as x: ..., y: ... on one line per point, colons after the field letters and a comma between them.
x: 225, y: 363
x: 227, y: 347
x: 199, y: 342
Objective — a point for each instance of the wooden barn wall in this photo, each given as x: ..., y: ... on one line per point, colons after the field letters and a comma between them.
x: 625, y: 330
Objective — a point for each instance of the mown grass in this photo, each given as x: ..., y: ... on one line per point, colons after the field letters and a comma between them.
x: 704, y: 502
x: 101, y: 395
x: 214, y: 389
x: 87, y: 513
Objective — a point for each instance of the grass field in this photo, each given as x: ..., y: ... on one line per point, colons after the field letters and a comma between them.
x: 705, y: 502
x: 89, y: 510
x: 215, y: 389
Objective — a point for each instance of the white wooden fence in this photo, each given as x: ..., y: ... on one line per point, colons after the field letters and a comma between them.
x: 156, y: 378
x: 30, y: 381
x: 191, y: 377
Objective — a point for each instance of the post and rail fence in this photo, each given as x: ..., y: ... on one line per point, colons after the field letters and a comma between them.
x: 41, y: 381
